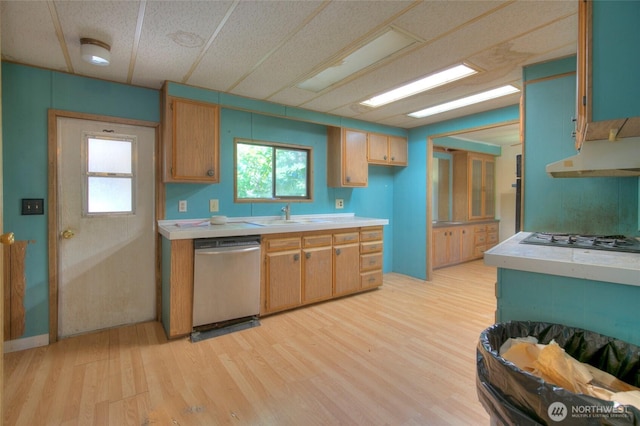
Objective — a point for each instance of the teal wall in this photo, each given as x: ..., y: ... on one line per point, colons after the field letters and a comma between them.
x: 251, y: 119
x: 410, y: 189
x: 27, y: 94
x: 606, y: 308
x: 576, y: 205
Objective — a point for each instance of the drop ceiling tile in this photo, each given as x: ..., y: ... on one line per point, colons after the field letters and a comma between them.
x: 252, y: 31
x: 172, y: 38
x: 454, y: 48
x: 22, y: 22
x: 112, y: 22
x: 329, y: 36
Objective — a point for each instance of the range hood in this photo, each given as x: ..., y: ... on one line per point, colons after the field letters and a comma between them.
x: 601, y: 158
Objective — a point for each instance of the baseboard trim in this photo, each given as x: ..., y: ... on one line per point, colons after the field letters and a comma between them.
x: 26, y: 343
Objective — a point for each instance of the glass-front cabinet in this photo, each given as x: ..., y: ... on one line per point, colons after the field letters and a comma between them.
x: 473, y: 186
x: 482, y: 203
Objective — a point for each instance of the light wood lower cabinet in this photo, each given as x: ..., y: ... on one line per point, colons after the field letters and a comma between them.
x: 283, y: 271
x: 455, y: 244
x: 308, y: 267
x: 177, y: 287
x: 446, y: 246
x: 371, y: 257
x: 346, y: 271
x: 317, y: 264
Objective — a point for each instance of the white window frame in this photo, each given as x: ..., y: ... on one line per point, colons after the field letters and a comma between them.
x: 86, y: 174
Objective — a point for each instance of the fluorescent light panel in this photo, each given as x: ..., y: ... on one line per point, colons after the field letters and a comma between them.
x: 379, y: 48
x: 469, y: 100
x: 422, y: 85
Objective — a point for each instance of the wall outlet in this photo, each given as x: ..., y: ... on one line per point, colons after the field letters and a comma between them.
x: 213, y: 206
x: 339, y: 203
x: 182, y: 206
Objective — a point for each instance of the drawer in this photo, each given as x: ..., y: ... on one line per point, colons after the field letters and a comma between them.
x: 371, y: 261
x: 492, y: 238
x: 371, y: 247
x: 478, y: 251
x: 371, y: 279
x: 316, y: 241
x: 345, y: 238
x: 278, y: 244
x: 371, y: 234
x: 492, y: 227
x: 480, y: 228
x: 480, y: 239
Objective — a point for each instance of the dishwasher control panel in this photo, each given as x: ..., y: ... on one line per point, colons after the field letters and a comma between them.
x: 241, y: 240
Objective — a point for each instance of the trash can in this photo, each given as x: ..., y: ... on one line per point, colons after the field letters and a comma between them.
x: 512, y: 396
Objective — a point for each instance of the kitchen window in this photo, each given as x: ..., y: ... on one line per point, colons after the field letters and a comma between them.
x: 109, y: 178
x: 268, y: 171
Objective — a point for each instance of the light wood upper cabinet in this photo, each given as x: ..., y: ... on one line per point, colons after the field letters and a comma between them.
x: 473, y: 186
x: 387, y: 150
x: 190, y: 141
x: 346, y: 158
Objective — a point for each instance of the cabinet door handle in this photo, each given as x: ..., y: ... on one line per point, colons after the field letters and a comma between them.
x: 308, y: 255
x: 338, y: 251
x: 348, y: 178
x: 393, y: 158
x: 385, y: 157
x: 210, y: 173
x: 296, y: 257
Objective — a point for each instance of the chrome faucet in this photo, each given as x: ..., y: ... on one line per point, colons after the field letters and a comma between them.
x: 287, y: 211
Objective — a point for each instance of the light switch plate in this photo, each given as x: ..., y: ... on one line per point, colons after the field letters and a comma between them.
x: 32, y: 206
x: 213, y: 206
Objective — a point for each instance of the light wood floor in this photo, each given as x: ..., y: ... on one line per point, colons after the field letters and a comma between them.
x: 400, y: 355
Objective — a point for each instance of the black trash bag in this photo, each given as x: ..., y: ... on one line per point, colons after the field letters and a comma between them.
x: 512, y: 396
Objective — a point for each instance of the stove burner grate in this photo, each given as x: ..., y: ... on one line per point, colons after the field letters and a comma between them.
x: 596, y: 242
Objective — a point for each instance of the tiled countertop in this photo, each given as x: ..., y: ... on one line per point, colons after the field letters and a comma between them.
x: 596, y: 265
x: 201, y: 228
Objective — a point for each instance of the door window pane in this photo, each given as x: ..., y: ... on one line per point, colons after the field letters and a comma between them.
x: 109, y: 195
x: 109, y: 185
x: 109, y: 156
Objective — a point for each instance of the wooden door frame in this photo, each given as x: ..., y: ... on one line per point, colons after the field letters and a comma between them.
x: 430, y: 139
x: 52, y: 204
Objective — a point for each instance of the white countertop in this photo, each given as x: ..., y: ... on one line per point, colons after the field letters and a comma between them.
x: 596, y: 265
x: 201, y: 228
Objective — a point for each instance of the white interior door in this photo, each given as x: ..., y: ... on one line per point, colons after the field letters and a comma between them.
x: 106, y: 224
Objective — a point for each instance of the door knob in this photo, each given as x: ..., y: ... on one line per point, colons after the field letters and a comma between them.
x: 7, y: 239
x: 67, y: 234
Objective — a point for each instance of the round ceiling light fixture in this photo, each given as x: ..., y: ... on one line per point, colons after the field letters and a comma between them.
x: 95, y: 52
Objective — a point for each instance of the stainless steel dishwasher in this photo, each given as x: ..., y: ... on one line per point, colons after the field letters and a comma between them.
x: 226, y: 283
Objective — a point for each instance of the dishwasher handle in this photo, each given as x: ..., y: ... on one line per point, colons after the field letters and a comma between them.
x: 227, y: 250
